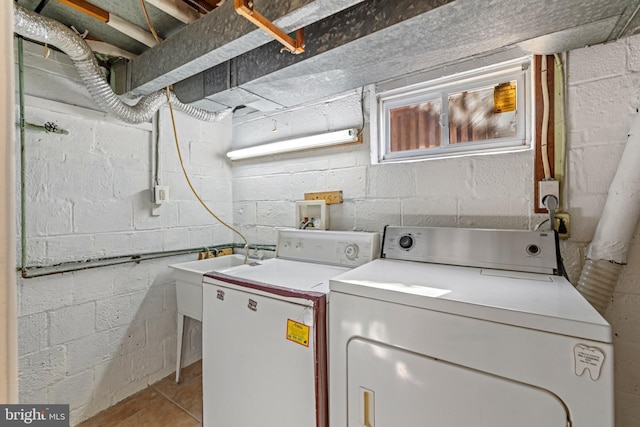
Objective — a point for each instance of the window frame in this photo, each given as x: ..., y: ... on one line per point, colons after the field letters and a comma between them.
x: 440, y: 89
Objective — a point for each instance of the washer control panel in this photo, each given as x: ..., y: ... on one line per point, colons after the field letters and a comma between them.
x: 347, y: 248
x: 517, y: 250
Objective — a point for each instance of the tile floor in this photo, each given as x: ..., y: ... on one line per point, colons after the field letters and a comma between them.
x: 164, y: 403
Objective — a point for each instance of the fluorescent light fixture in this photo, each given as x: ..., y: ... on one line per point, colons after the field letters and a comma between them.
x: 315, y: 141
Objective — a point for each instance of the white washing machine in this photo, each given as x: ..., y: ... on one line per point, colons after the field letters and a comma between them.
x: 265, y: 331
x: 466, y: 328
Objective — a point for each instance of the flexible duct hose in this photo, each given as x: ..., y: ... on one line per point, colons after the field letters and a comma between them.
x: 597, y: 281
x: 45, y: 30
x: 610, y: 245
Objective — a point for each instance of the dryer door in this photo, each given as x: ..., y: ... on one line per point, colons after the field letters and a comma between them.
x: 391, y: 387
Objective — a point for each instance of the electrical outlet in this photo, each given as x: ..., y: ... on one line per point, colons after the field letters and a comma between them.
x: 161, y: 194
x: 546, y: 188
x: 563, y: 225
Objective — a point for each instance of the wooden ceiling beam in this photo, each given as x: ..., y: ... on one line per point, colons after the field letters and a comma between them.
x: 88, y: 9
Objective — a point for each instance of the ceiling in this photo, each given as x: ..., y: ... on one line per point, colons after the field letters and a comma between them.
x: 166, y: 25
x: 220, y: 59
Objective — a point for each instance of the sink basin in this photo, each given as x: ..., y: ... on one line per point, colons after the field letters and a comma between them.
x: 188, y: 276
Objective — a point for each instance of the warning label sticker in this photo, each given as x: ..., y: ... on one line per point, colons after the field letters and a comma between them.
x: 504, y: 98
x: 298, y: 332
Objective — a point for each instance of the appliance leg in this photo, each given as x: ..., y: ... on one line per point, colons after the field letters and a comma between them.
x: 179, y: 339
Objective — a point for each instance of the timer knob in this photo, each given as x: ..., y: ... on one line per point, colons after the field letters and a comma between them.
x: 406, y: 241
x: 351, y: 251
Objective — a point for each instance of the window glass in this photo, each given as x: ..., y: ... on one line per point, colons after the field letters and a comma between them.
x: 482, y: 114
x: 416, y: 126
x: 481, y: 110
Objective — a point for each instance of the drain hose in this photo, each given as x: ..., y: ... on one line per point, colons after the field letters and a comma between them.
x: 45, y: 30
x: 608, y: 250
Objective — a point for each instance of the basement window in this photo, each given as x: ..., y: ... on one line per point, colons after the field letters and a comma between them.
x: 483, y: 110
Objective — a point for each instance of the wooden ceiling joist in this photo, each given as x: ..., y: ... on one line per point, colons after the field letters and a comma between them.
x: 114, y: 21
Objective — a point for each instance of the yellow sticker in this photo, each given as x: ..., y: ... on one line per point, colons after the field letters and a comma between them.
x: 298, y: 332
x: 504, y: 98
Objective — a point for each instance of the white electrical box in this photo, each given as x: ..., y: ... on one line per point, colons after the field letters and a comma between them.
x: 312, y: 215
x: 161, y: 194
x: 548, y: 188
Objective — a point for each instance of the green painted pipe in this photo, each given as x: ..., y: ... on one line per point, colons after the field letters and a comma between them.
x: 23, y: 201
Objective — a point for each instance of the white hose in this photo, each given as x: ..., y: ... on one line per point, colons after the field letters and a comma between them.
x: 45, y: 30
x: 610, y: 245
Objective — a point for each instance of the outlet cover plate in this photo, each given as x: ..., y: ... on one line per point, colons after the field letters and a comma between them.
x: 545, y: 188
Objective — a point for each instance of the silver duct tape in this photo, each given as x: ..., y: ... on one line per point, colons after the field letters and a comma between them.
x: 45, y: 30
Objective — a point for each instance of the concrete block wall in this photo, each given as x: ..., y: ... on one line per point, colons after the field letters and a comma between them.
x: 494, y: 191
x: 91, y: 189
x: 604, y: 96
x: 474, y: 191
x: 91, y: 338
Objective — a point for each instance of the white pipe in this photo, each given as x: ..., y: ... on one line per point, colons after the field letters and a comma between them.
x: 109, y: 49
x: 622, y: 208
x: 610, y: 244
x: 545, y: 119
x: 560, y: 127
x: 131, y: 30
x: 176, y: 8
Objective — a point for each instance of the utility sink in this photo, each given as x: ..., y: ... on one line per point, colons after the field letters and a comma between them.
x: 188, y: 276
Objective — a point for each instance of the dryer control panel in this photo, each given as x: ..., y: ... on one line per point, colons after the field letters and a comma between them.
x: 346, y: 248
x: 517, y: 250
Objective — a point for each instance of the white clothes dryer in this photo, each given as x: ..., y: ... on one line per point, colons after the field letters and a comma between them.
x: 466, y: 328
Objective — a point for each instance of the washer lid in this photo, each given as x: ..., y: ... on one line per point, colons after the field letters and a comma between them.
x: 531, y: 300
x: 296, y: 275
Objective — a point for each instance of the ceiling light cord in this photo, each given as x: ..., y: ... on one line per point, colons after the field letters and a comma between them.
x: 184, y: 170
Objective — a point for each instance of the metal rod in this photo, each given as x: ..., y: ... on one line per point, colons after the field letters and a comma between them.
x: 48, y: 127
x: 41, y: 6
x: 155, y: 135
x: 625, y: 20
x: 23, y: 199
x: 71, y: 266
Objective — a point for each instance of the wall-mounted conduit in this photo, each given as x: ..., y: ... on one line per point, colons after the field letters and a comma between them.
x: 71, y: 266
x: 23, y: 199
